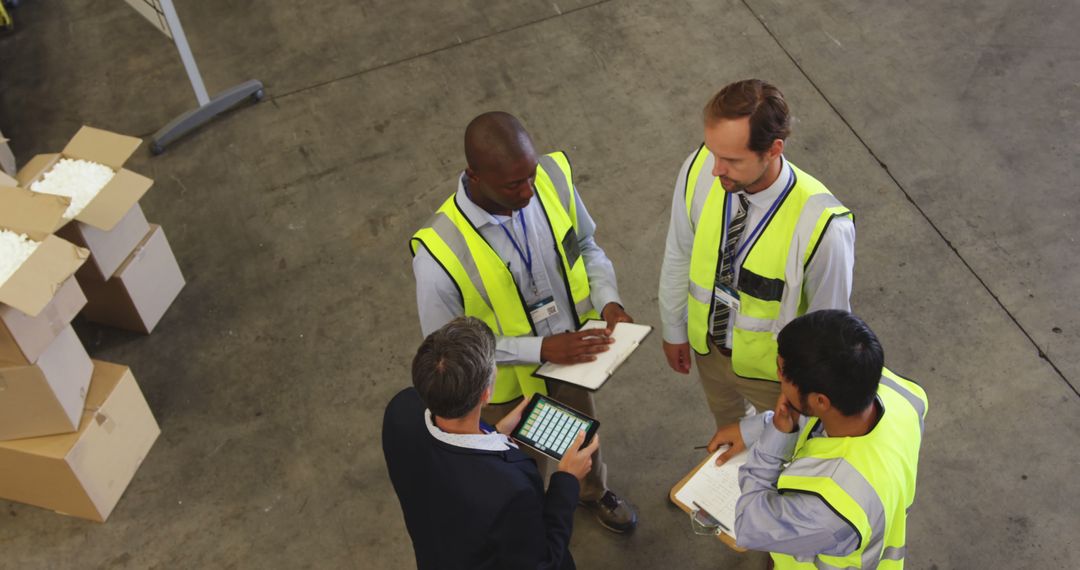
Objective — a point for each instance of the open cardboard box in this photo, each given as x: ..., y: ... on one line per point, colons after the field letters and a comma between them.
x: 38, y: 279
x: 83, y: 474
x: 111, y: 149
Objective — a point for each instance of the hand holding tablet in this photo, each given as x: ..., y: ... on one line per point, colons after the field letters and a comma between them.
x: 550, y: 427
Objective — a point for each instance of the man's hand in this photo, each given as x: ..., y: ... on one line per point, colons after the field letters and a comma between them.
x: 727, y: 435
x: 613, y: 313
x: 574, y: 347
x: 678, y: 356
x: 510, y: 420
x: 577, y: 461
x: 785, y: 419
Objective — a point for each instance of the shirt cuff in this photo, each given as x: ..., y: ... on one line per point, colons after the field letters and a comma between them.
x: 518, y: 349
x: 601, y: 296
x: 777, y: 443
x: 750, y: 427
x: 676, y: 334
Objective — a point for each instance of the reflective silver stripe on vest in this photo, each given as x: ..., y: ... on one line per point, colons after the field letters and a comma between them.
x: 583, y: 306
x: 894, y: 553
x: 450, y: 234
x: 558, y: 179
x: 702, y: 186
x: 858, y: 488
x: 800, y: 241
x: 822, y: 565
x: 752, y: 324
x: 915, y: 401
x: 700, y: 294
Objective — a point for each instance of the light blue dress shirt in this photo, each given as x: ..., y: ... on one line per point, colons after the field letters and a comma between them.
x: 793, y: 523
x: 438, y: 301
x: 827, y: 281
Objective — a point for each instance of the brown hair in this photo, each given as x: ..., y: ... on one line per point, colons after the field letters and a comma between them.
x: 754, y: 98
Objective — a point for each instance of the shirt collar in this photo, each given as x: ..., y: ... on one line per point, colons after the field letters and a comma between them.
x: 477, y: 215
x: 766, y: 197
x: 493, y: 441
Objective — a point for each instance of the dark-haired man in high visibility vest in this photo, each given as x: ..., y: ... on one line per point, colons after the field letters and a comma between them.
x: 514, y: 248
x: 753, y: 242
x: 831, y: 473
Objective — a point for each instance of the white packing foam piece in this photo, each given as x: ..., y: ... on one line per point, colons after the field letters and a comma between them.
x: 80, y: 180
x: 14, y: 250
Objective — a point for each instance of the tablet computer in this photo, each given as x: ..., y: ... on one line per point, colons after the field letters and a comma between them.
x: 550, y: 427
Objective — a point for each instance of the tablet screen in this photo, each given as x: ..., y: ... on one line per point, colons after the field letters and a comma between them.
x: 551, y: 428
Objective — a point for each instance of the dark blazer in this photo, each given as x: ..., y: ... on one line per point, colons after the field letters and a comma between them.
x: 468, y: 508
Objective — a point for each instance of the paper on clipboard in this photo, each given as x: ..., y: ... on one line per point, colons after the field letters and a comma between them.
x: 715, y: 489
x: 592, y: 375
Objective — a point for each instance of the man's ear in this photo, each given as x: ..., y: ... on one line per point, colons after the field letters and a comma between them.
x: 775, y: 149
x: 485, y: 397
x: 819, y: 403
x: 471, y: 175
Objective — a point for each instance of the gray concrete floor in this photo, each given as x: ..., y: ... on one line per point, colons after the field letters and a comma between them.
x: 949, y: 128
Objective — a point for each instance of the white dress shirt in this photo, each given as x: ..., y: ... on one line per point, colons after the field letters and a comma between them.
x: 438, y: 300
x: 827, y: 282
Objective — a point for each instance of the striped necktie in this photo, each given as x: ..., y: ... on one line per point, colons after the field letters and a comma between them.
x: 725, y: 270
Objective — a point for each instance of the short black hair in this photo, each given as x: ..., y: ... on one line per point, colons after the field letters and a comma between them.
x: 833, y: 352
x: 453, y: 366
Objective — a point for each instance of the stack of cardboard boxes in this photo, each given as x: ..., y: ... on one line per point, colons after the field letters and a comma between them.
x: 132, y: 276
x: 73, y: 431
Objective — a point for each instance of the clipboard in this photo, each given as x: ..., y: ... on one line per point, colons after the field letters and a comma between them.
x: 695, y: 512
x: 610, y: 361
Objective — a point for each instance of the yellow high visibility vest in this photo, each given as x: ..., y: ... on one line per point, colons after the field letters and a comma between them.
x: 868, y: 480
x: 488, y: 289
x: 770, y: 283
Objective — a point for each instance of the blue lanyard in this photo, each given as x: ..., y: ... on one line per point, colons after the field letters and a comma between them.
x: 761, y: 223
x: 527, y: 256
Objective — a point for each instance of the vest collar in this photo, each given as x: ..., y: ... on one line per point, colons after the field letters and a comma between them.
x: 766, y: 197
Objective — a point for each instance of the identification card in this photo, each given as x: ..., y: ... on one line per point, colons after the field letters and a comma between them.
x: 728, y: 296
x: 544, y: 309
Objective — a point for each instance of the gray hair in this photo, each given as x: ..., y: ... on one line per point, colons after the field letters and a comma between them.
x: 453, y: 367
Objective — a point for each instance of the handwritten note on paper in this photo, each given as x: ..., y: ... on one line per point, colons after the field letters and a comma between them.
x: 715, y: 489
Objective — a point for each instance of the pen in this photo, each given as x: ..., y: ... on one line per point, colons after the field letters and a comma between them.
x: 701, y: 447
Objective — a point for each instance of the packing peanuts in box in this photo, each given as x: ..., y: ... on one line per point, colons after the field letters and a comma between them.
x: 83, y: 474
x: 110, y: 149
x: 23, y: 338
x: 141, y: 291
x: 33, y: 284
x: 46, y: 397
x: 108, y: 249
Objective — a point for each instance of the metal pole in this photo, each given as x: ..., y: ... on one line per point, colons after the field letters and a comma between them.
x: 185, y: 52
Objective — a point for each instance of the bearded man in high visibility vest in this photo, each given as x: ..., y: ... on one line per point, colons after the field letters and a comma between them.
x: 831, y: 473
x: 514, y: 248
x: 753, y: 242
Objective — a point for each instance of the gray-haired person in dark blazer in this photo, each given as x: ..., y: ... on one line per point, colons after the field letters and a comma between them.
x: 470, y: 497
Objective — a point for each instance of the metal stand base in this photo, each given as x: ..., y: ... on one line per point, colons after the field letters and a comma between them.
x: 203, y: 114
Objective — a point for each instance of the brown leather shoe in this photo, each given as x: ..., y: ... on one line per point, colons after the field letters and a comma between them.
x: 613, y: 513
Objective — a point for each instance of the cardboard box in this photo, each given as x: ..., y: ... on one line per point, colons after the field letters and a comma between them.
x: 46, y: 397
x: 118, y: 196
x: 23, y: 339
x: 84, y: 474
x: 141, y: 291
x: 33, y: 285
x: 108, y: 249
